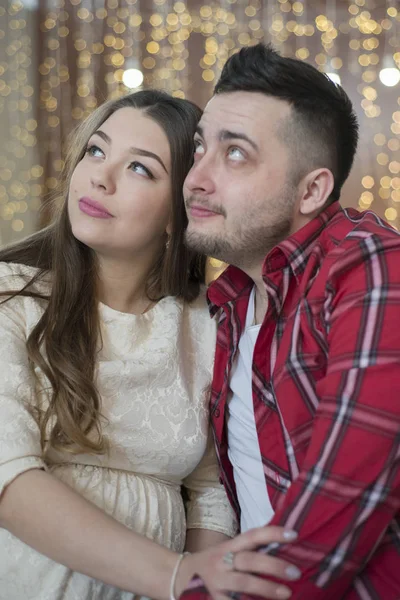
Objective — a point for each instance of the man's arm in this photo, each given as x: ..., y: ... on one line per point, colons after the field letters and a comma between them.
x: 348, y: 490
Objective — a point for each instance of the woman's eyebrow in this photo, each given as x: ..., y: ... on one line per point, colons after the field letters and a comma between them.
x: 133, y: 150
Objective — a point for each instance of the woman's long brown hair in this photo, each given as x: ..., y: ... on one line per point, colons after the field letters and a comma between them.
x: 65, y: 341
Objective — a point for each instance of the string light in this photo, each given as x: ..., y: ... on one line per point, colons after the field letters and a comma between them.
x: 132, y: 78
x: 90, y: 53
x: 389, y: 76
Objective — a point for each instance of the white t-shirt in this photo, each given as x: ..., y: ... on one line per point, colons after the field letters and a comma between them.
x: 243, y: 447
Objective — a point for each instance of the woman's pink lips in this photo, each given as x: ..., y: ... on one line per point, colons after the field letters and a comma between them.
x: 201, y: 211
x: 93, y: 208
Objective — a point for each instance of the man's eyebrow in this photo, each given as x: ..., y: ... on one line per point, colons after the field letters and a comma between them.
x: 134, y: 150
x: 225, y: 134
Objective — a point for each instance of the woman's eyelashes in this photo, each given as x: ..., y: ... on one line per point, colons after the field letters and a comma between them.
x: 92, y: 150
x: 135, y: 166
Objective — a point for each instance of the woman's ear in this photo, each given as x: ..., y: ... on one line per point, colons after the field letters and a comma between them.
x: 168, y: 229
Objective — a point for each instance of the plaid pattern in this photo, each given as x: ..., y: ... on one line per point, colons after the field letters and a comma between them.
x: 326, y: 392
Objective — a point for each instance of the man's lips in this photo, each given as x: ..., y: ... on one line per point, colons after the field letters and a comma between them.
x: 196, y: 210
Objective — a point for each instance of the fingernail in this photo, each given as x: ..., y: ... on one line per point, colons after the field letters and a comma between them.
x: 293, y: 572
x: 290, y: 535
x: 283, y: 592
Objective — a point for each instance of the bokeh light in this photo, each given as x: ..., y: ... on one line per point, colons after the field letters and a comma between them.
x: 82, y: 53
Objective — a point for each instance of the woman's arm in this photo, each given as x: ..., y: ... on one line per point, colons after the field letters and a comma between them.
x: 45, y: 513
x: 52, y: 518
x: 200, y: 539
x: 209, y: 514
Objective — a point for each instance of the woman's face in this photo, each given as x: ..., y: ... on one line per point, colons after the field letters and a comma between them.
x: 119, y: 200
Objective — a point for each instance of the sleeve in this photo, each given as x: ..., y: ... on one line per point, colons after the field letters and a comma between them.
x: 20, y: 448
x: 348, y: 491
x: 208, y: 506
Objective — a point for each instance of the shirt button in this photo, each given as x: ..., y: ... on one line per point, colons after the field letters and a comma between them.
x: 216, y: 413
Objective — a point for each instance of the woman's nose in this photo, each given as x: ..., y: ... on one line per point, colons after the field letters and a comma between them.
x: 102, y: 178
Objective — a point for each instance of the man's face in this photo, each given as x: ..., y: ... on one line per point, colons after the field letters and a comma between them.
x: 239, y: 195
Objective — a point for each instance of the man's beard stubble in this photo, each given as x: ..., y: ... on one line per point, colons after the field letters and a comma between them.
x: 251, y: 241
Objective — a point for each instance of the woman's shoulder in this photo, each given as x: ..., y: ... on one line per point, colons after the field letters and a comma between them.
x: 16, y: 272
x: 198, y: 314
x: 15, y: 276
x: 199, y: 305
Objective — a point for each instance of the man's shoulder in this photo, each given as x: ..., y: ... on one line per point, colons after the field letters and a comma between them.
x: 352, y: 240
x: 351, y: 229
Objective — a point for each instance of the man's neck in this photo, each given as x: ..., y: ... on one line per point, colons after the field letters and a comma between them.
x: 260, y: 304
x: 260, y: 296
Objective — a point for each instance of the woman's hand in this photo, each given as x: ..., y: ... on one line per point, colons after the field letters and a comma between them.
x: 233, y: 566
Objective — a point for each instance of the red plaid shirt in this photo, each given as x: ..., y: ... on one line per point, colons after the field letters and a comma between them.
x: 326, y: 393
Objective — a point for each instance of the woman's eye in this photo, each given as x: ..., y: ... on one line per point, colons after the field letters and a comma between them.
x: 235, y: 153
x: 137, y: 167
x: 94, y: 151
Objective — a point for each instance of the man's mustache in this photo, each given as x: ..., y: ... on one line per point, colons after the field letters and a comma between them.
x: 196, y: 201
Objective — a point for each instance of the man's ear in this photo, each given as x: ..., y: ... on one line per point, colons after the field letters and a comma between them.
x: 315, y: 189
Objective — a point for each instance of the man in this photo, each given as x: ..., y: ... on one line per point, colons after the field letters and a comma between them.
x: 305, y: 399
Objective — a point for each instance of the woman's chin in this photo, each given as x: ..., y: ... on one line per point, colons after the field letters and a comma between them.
x: 91, y: 241
x: 88, y: 233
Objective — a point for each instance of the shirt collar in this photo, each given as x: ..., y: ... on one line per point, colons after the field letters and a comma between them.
x: 293, y: 252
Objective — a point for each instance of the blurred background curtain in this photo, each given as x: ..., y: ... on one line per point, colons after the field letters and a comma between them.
x: 59, y: 59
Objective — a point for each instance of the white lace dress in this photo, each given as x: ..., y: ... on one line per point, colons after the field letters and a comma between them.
x: 153, y: 372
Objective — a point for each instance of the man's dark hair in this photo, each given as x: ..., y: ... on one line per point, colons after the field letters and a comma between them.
x: 322, y: 130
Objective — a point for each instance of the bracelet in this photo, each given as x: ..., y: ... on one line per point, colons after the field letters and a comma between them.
x: 174, y: 574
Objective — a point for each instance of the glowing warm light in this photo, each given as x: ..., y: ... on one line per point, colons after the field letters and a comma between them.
x: 334, y: 77
x: 158, y: 42
x: 380, y: 139
x: 365, y: 200
x: 215, y: 263
x: 368, y: 182
x: 384, y: 193
x: 389, y: 76
x: 391, y: 214
x: 382, y: 158
x: 132, y: 78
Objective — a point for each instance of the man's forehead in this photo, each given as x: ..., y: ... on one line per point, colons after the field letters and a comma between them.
x: 245, y: 111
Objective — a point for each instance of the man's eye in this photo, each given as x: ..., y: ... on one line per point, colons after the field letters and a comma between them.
x: 198, y: 147
x: 235, y: 153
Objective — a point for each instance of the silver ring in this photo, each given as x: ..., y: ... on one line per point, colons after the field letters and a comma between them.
x: 229, y: 559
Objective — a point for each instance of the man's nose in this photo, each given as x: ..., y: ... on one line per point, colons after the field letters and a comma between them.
x: 201, y: 178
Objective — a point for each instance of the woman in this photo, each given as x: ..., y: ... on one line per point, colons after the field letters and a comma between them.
x: 105, y: 358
